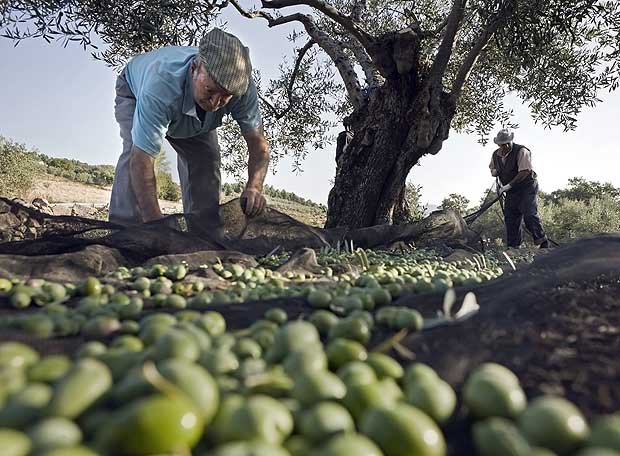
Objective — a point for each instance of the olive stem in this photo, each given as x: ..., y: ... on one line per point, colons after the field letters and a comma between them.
x: 391, y: 342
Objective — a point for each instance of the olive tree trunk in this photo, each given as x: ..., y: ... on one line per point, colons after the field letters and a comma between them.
x: 387, y: 138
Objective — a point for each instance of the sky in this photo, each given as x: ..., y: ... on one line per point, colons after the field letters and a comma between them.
x: 60, y: 101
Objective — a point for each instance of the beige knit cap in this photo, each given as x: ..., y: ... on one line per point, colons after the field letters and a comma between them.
x: 227, y: 60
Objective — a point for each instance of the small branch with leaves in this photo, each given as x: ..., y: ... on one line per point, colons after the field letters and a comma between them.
x: 471, y: 58
x: 289, y: 90
x: 345, y: 21
x: 333, y: 49
x: 445, y: 48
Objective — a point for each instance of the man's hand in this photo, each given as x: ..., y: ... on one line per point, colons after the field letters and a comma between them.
x: 504, y: 188
x: 253, y: 202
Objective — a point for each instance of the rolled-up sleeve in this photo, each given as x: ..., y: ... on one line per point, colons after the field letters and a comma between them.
x: 524, y: 160
x: 150, y: 123
x: 245, y: 110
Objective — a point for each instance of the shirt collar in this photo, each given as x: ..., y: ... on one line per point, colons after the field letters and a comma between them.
x: 189, y: 105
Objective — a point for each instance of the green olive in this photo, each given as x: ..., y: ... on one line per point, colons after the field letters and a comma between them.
x: 434, y: 397
x: 247, y: 348
x: 176, y: 343
x: 276, y: 315
x: 417, y: 372
x: 320, y: 299
x: 26, y: 405
x: 5, y: 285
x: 403, y: 430
x: 495, y: 436
x: 310, y: 359
x: 361, y: 397
x: 91, y: 287
x: 91, y: 349
x: 384, y: 366
x: 83, y: 384
x: 259, y: 418
x: 325, y: 420
x: 219, y: 361
x: 606, y: 432
x: 213, y: 323
x: 54, y: 432
x: 14, y: 443
x: 291, y: 337
x: 17, y: 354
x: 351, y: 328
x: 357, y: 373
x: 197, y: 384
x: 316, y: 386
x: 489, y: 392
x: 49, y: 369
x: 554, y: 423
x: 348, y: 445
x: 342, y: 351
x: 247, y: 449
x: 323, y: 320
x: 155, y: 425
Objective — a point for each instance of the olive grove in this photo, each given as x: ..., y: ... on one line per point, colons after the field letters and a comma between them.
x: 409, y: 72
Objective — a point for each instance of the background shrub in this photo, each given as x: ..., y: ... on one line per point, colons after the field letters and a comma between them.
x: 18, y: 169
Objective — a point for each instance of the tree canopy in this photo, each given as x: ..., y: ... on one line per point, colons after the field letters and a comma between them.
x: 554, y: 54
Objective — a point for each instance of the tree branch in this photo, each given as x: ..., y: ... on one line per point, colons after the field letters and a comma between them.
x: 275, y: 112
x: 300, y: 55
x: 251, y: 14
x: 358, y: 9
x: 436, y: 31
x: 370, y: 72
x: 345, y: 21
x: 445, y: 48
x: 289, y: 89
x: 472, y: 57
x: 327, y: 43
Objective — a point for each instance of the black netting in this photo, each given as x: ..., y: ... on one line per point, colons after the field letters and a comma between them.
x: 26, y: 232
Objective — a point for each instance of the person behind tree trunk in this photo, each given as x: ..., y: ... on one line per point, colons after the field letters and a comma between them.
x: 182, y: 93
x: 512, y: 165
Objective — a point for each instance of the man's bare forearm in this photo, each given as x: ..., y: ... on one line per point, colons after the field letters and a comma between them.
x: 144, y: 184
x: 520, y: 176
x: 258, y: 160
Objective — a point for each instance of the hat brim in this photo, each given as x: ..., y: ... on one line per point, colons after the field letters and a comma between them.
x: 499, y: 142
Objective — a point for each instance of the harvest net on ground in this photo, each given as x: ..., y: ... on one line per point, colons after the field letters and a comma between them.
x: 28, y: 232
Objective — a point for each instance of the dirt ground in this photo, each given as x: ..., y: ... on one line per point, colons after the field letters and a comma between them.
x: 59, y: 190
x: 63, y: 195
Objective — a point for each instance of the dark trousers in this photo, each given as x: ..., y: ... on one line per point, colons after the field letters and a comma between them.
x: 520, y: 208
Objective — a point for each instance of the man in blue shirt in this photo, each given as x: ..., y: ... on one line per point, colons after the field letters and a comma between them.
x: 182, y: 94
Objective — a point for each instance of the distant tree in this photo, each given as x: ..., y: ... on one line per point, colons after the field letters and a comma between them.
x: 411, y: 208
x: 490, y: 224
x: 167, y: 189
x: 456, y: 202
x: 18, y: 168
x: 580, y: 189
x: 570, y: 219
